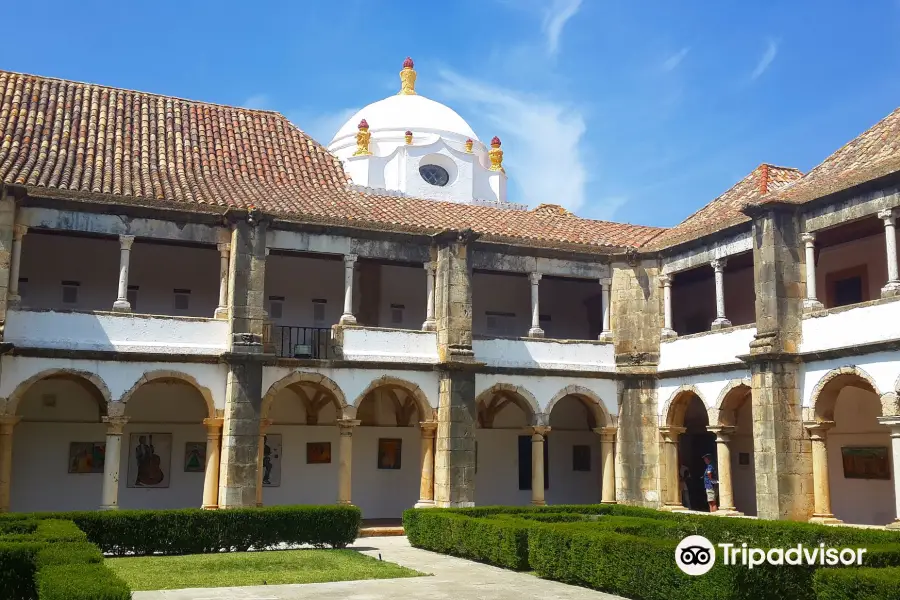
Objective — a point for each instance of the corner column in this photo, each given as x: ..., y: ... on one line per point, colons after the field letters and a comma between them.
x: 673, y: 489
x: 666, y: 282
x: 810, y: 303
x: 224, y: 253
x: 15, y: 262
x: 345, y: 459
x: 821, y: 485
x: 115, y: 427
x: 721, y: 322
x: 607, y: 453
x: 535, y: 331
x: 264, y: 425
x: 606, y: 335
x: 121, y: 304
x: 347, y: 318
x: 892, y: 287
x: 426, y: 487
x: 723, y: 452
x: 537, y: 464
x: 211, y: 474
x: 7, y: 423
x: 429, y: 324
x: 893, y: 422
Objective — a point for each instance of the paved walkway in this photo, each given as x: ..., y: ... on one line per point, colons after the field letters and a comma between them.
x: 453, y: 579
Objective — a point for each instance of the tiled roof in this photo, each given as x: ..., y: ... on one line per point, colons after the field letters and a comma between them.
x: 116, y: 145
x: 725, y: 211
x: 875, y: 153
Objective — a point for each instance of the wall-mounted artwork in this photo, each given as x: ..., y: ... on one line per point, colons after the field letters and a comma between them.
x: 272, y: 460
x: 581, y: 458
x: 866, y: 462
x: 389, y: 453
x: 195, y: 457
x: 149, y: 459
x: 744, y: 459
x: 87, y: 457
x: 318, y: 453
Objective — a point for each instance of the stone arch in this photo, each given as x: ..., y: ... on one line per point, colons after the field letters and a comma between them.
x: 677, y: 405
x: 824, y: 395
x: 316, y: 380
x: 516, y: 394
x: 84, y: 377
x: 426, y: 412
x: 589, y: 399
x: 167, y: 375
x: 730, y: 400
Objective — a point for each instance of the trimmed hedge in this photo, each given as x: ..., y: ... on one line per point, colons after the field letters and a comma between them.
x: 857, y: 584
x: 80, y: 582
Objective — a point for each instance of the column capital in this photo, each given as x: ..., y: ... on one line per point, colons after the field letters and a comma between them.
x: 818, y: 429
x: 19, y: 232
x: 670, y: 434
x: 224, y: 249
x: 429, y: 428
x: 718, y: 264
x: 10, y: 420
x: 607, y: 434
x: 605, y: 281
x: 264, y: 425
x: 723, y: 433
x: 541, y: 430
x: 429, y: 266
x: 349, y: 259
x: 126, y: 241
x: 892, y: 421
x: 346, y: 425
x: 808, y: 238
x: 214, y: 423
x: 887, y: 215
x: 665, y: 280
x: 115, y: 425
x: 534, y: 277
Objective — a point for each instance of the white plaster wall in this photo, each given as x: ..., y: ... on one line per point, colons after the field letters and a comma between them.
x: 857, y: 325
x: 544, y: 388
x: 713, y: 348
x: 391, y: 345
x: 709, y: 387
x: 869, y: 251
x: 116, y: 332
x: 385, y: 493
x: 300, y: 280
x: 302, y: 483
x: 882, y: 367
x: 545, y: 354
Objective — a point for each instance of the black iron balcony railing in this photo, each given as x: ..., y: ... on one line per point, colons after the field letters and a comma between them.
x: 301, y: 342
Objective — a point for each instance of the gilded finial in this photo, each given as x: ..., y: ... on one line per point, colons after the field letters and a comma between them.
x: 408, y: 137
x: 469, y: 143
x: 496, y: 155
x: 362, y: 139
x: 408, y: 78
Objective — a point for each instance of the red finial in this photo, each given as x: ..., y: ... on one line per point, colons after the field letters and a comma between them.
x: 469, y: 141
x: 363, y: 124
x: 408, y: 133
x: 495, y: 143
x: 408, y: 63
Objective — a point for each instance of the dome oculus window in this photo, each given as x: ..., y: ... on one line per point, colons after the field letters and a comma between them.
x: 434, y: 175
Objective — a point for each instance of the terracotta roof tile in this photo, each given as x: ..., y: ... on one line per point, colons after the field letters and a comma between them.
x: 119, y: 145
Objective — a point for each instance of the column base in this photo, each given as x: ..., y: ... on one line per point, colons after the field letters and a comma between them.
x: 895, y: 524
x: 673, y: 507
x: 424, y: 504
x: 668, y: 334
x: 812, y: 305
x: 536, y: 332
x: 731, y: 511
x: 608, y: 502
x: 347, y: 319
x: 121, y: 306
x: 720, y: 323
x: 429, y: 326
x: 345, y: 503
x: 221, y: 313
x: 13, y: 301
x: 210, y: 507
x: 825, y: 520
x: 891, y: 290
x: 605, y: 336
x: 109, y: 507
x: 538, y: 503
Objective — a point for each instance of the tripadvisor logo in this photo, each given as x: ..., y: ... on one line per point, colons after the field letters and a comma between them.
x: 696, y: 555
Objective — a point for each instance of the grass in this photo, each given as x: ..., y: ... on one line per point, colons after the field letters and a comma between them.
x: 251, y: 568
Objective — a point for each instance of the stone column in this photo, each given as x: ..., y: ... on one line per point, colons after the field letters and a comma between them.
x: 894, y: 423
x: 535, y: 331
x: 721, y: 322
x: 810, y: 303
x: 121, y: 304
x: 115, y: 427
x: 608, y: 459
x: 347, y: 318
x: 892, y: 288
x: 15, y: 263
x: 7, y: 423
x: 666, y: 282
x: 426, y: 487
x: 673, y: 486
x: 606, y: 335
x: 429, y: 324
x: 537, y: 464
x: 222, y: 309
x: 345, y: 459
x: 264, y: 425
x: 723, y: 452
x: 821, y: 486
x: 211, y: 473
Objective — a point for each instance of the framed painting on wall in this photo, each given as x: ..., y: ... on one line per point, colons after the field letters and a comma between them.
x: 272, y: 460
x: 149, y: 460
x: 389, y: 450
x: 318, y: 453
x: 87, y: 457
x: 866, y: 462
x: 195, y: 457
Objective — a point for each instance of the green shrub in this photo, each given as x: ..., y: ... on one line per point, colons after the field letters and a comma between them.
x: 80, y: 582
x: 857, y: 584
x: 17, y: 568
x: 494, y: 541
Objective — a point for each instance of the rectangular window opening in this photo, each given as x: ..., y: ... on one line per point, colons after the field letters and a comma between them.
x: 182, y: 299
x: 319, y: 310
x: 70, y: 292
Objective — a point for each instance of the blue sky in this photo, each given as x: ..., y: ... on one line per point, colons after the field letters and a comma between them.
x: 633, y: 111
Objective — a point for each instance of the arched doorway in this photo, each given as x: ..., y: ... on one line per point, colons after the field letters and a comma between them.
x: 576, y: 461
x: 503, y: 446
x: 60, y: 442
x: 736, y: 423
x: 687, y: 411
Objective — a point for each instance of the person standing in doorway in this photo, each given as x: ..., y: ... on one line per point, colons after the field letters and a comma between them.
x: 710, y: 481
x: 684, y: 475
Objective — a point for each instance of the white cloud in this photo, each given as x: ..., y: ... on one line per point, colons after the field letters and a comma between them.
x: 765, y: 60
x: 671, y: 63
x: 258, y: 101
x: 542, y: 139
x: 323, y: 126
x: 555, y: 18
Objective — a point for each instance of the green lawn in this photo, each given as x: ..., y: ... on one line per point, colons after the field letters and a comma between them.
x: 251, y: 568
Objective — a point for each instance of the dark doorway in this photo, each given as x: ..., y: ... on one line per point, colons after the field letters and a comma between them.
x: 692, y: 445
x: 525, y: 463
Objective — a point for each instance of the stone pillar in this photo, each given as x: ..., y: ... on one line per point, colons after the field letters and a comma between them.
x: 121, y: 304
x: 429, y: 324
x: 606, y: 335
x: 666, y: 282
x: 426, y: 487
x: 7, y: 423
x: 721, y: 322
x: 894, y: 423
x: 537, y: 464
x: 821, y: 486
x: 608, y: 464
x: 535, y: 331
x: 672, y: 498
x: 15, y: 264
x: 114, y: 429
x: 211, y: 473
x: 892, y: 288
x: 345, y: 460
x: 264, y: 425
x: 810, y: 303
x: 723, y: 452
x: 347, y: 318
x: 222, y: 309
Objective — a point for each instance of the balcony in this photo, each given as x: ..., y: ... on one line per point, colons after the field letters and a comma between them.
x: 706, y: 349
x: 288, y: 341
x: 543, y: 353
x: 386, y: 345
x: 115, y: 332
x: 875, y: 321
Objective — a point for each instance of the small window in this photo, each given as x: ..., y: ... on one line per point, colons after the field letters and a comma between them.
x: 581, y: 458
x: 70, y: 292
x: 397, y: 314
x: 182, y: 299
x: 319, y: 310
x: 848, y: 291
x: 276, y: 306
x: 434, y: 175
x: 133, y: 296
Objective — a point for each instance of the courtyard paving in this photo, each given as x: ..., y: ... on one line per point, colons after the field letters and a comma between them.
x: 450, y: 579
